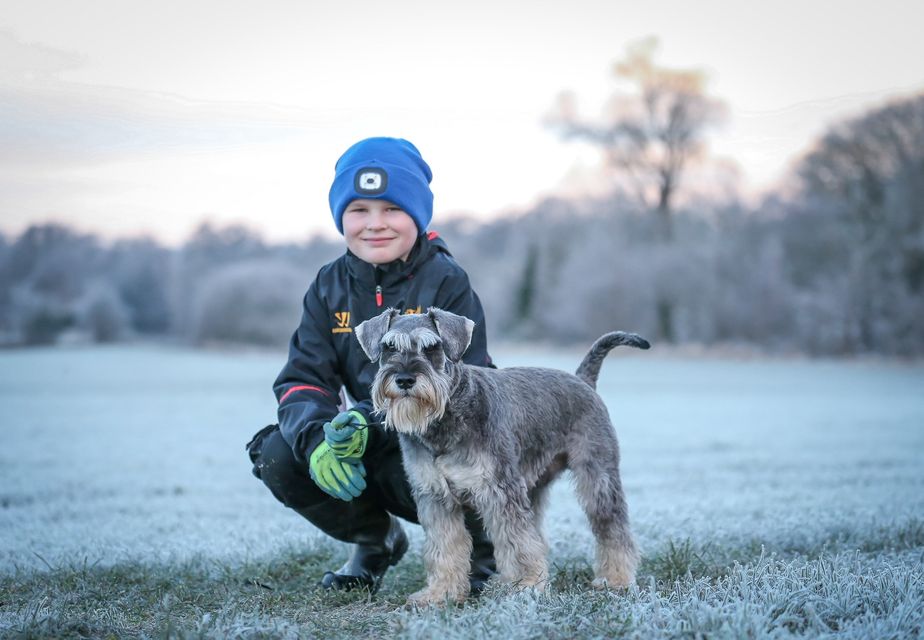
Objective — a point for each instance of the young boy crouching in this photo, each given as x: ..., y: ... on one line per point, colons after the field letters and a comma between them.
x: 339, y: 468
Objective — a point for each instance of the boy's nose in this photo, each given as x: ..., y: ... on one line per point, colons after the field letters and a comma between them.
x: 375, y: 221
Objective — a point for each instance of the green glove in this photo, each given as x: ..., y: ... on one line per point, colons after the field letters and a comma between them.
x: 347, y: 436
x: 343, y: 480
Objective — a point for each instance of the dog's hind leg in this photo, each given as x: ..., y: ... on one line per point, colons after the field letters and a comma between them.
x: 599, y: 490
x: 538, y: 499
x: 519, y: 547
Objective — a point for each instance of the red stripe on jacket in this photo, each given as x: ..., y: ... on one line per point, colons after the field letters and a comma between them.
x: 302, y: 387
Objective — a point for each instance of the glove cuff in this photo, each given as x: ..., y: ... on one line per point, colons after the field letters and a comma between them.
x: 315, y: 456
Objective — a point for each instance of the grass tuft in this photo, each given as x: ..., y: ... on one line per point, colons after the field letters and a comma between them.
x: 685, y: 591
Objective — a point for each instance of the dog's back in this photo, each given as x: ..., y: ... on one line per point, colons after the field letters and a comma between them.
x: 572, y: 415
x: 535, y: 391
x: 550, y: 396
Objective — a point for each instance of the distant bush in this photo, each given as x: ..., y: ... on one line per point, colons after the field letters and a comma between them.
x: 103, y: 315
x: 43, y: 325
x: 256, y: 302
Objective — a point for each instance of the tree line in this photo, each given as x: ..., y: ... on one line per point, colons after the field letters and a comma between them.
x: 833, y: 264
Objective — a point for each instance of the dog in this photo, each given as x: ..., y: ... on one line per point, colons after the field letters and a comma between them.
x: 494, y: 440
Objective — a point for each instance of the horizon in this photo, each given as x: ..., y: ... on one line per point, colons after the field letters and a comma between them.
x: 144, y: 124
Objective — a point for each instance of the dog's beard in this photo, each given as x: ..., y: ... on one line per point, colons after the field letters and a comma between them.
x: 410, y: 411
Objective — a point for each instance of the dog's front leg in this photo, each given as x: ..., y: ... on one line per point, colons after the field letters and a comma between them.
x: 447, y: 550
x: 519, y: 547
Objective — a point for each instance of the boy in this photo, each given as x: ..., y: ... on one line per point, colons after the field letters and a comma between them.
x: 340, y: 469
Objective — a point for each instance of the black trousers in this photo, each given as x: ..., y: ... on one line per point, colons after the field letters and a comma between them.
x: 363, y: 519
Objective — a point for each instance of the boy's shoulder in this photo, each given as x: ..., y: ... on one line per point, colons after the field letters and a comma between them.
x: 440, y: 256
x: 335, y: 266
x: 333, y: 274
x: 444, y: 263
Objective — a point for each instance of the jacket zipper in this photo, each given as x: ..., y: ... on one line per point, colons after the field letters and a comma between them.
x: 378, y: 290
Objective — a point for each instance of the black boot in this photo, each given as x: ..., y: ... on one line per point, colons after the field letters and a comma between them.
x: 369, y: 562
x: 380, y: 542
x: 483, y: 565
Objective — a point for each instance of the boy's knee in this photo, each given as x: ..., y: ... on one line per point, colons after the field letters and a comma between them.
x: 255, y: 446
x: 287, y: 478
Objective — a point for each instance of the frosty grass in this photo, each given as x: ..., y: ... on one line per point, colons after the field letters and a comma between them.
x: 771, y: 498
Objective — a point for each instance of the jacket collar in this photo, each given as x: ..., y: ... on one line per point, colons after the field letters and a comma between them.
x: 389, y: 274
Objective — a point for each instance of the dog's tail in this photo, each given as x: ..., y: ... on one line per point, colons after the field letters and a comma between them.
x: 590, y: 367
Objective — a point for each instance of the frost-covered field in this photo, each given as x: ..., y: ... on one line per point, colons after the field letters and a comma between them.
x: 769, y: 498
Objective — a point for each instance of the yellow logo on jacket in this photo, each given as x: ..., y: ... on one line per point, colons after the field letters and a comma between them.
x: 343, y: 322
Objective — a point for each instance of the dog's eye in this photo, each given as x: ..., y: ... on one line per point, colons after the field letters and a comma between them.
x: 387, y: 349
x: 431, y: 349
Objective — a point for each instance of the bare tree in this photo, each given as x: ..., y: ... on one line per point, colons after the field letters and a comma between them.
x: 651, y: 136
x: 653, y: 133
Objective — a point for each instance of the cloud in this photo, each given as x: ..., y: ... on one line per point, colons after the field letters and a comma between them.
x: 108, y: 157
x: 25, y: 61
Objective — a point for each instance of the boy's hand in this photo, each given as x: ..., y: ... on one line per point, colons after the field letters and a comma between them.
x: 347, y: 435
x: 335, y: 477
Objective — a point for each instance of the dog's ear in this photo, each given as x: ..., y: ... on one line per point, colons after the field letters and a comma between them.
x: 455, y: 332
x: 370, y: 332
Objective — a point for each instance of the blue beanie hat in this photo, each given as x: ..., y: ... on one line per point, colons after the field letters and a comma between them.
x: 383, y: 169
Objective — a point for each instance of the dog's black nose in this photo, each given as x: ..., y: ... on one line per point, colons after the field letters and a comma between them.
x: 405, y: 380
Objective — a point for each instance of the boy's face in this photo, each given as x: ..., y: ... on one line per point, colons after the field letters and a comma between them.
x: 378, y: 231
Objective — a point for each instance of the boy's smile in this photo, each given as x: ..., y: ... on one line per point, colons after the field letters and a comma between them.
x: 378, y: 231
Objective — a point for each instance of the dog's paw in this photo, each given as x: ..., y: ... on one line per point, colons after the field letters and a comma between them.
x: 536, y: 579
x: 611, y: 584
x: 434, y: 598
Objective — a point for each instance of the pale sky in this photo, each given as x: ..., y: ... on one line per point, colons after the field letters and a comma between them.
x: 124, y: 117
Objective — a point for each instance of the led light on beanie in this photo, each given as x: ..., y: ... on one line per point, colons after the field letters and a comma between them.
x: 389, y: 169
x: 371, y: 181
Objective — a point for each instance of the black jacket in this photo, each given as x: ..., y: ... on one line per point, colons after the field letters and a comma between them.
x: 324, y: 355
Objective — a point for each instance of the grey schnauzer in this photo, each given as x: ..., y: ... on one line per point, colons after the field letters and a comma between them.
x: 493, y: 440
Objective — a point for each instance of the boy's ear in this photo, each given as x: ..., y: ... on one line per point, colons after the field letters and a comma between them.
x: 370, y: 332
x: 455, y: 332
